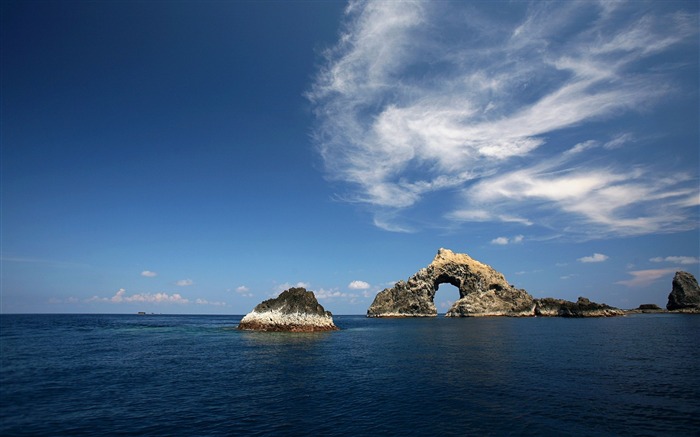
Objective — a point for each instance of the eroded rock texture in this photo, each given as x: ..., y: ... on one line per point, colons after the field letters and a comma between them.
x: 685, y: 295
x: 295, y: 310
x: 482, y: 291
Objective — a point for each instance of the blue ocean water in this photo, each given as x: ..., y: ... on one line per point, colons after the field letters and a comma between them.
x: 196, y: 375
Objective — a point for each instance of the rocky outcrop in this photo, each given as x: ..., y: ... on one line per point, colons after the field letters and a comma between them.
x: 649, y: 307
x: 685, y: 295
x: 549, y: 307
x: 295, y: 310
x: 482, y: 291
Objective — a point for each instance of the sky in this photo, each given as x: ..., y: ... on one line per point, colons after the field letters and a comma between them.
x: 201, y: 157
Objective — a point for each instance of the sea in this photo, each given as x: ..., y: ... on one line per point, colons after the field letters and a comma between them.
x: 164, y: 375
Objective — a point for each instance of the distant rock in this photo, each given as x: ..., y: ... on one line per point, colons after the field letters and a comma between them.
x: 647, y: 308
x: 685, y: 295
x: 549, y: 307
x: 482, y: 291
x: 295, y: 310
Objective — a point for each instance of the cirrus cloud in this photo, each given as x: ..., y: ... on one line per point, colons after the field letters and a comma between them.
x: 643, y: 278
x: 420, y: 100
x: 676, y: 259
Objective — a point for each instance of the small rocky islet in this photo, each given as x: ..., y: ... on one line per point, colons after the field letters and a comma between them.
x: 294, y: 310
x: 483, y: 292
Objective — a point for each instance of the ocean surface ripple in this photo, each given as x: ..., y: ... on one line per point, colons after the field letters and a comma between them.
x: 156, y: 375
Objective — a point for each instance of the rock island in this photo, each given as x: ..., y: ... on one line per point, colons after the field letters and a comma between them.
x: 482, y: 292
x: 294, y: 310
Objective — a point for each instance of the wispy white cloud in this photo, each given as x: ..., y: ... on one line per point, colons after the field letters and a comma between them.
x: 595, y: 258
x: 212, y: 303
x: 599, y: 200
x: 149, y: 274
x: 643, y: 278
x: 420, y: 98
x: 121, y: 297
x: 676, y: 259
x: 358, y: 285
x: 157, y: 298
x: 332, y: 293
x: 184, y: 283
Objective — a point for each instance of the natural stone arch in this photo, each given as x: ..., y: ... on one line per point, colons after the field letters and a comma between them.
x: 482, y: 291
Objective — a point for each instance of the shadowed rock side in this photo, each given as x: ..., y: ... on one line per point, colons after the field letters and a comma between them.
x: 482, y: 292
x: 685, y: 295
x: 295, y: 310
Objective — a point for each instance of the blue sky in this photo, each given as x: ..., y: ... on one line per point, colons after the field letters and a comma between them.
x: 200, y: 157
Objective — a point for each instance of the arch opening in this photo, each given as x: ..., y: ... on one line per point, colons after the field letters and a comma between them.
x: 446, y: 294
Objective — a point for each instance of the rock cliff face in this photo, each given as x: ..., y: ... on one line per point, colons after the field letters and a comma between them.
x: 685, y: 295
x: 549, y: 307
x: 295, y: 310
x: 482, y: 292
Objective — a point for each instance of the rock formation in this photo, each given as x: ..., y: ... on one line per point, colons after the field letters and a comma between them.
x: 482, y: 292
x: 647, y: 308
x: 295, y: 310
x: 583, y: 307
x: 685, y: 295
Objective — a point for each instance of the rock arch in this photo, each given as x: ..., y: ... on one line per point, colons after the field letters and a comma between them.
x: 482, y: 291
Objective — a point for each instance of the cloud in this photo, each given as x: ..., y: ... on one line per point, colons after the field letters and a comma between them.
x: 677, y: 259
x: 505, y: 240
x: 331, y: 294
x: 149, y: 274
x: 420, y: 100
x: 643, y: 278
x: 595, y: 258
x: 206, y: 302
x: 358, y: 285
x: 121, y: 297
x: 600, y: 201
x: 244, y: 291
x: 184, y: 283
